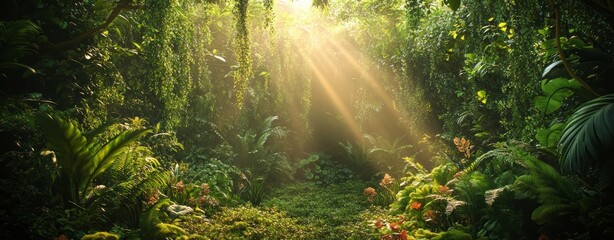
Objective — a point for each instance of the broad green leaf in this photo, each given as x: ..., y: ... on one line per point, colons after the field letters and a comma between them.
x: 453, y: 4
x: 549, y: 137
x: 547, y: 105
x: 555, y: 90
x: 588, y: 138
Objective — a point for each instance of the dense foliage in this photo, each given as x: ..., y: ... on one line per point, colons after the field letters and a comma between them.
x: 373, y: 119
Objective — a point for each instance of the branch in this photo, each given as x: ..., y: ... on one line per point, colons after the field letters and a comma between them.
x: 557, y: 39
x: 124, y: 4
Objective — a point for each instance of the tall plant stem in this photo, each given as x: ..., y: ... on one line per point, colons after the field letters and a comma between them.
x: 557, y: 39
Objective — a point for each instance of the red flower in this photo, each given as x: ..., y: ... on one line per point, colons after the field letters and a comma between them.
x: 415, y: 205
x: 403, y: 235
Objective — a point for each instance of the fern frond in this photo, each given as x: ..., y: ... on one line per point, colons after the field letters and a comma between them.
x: 150, y: 218
x: 545, y: 212
x: 105, y: 156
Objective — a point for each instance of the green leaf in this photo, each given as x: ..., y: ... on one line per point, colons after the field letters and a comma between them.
x: 588, y: 139
x: 106, y: 155
x: 549, y: 137
x: 546, y: 212
x: 453, y: 4
x: 555, y: 90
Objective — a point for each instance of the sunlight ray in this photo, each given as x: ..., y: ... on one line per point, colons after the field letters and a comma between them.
x: 339, y: 104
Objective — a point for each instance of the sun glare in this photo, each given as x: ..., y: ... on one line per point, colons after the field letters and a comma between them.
x: 300, y: 5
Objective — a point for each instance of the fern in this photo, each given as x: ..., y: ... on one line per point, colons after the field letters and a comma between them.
x: 129, y: 195
x: 81, y: 160
x: 558, y: 195
x: 150, y: 219
x: 17, y: 39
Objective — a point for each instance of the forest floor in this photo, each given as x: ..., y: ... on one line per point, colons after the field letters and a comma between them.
x: 336, y: 211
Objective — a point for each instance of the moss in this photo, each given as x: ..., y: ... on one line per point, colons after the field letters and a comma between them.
x: 247, y: 222
x: 453, y: 234
x: 100, y: 236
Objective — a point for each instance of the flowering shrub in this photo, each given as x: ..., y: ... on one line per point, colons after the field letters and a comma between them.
x: 388, y: 188
x: 197, y: 196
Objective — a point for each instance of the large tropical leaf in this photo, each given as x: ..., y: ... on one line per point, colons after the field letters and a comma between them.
x: 588, y: 139
x: 79, y: 160
x: 70, y: 149
x: 549, y: 137
x: 555, y: 90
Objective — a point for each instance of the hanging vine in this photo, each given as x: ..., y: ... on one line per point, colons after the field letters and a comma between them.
x: 244, y: 69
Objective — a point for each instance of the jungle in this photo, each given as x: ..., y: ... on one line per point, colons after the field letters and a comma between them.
x: 307, y: 119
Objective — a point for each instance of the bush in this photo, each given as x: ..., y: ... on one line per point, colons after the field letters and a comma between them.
x: 321, y: 169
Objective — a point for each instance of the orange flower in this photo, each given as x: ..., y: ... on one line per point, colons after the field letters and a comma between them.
x: 394, y: 226
x: 445, y: 189
x: 152, y: 197
x: 415, y: 205
x: 370, y: 193
x: 378, y: 223
x: 61, y: 237
x: 463, y: 146
x: 179, y: 186
x: 430, y: 215
x: 205, y: 188
x: 403, y: 235
x: 386, y: 181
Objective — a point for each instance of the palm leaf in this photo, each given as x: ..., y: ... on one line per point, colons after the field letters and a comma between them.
x: 588, y: 139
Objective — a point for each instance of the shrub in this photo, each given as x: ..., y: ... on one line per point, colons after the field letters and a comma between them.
x: 321, y: 169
